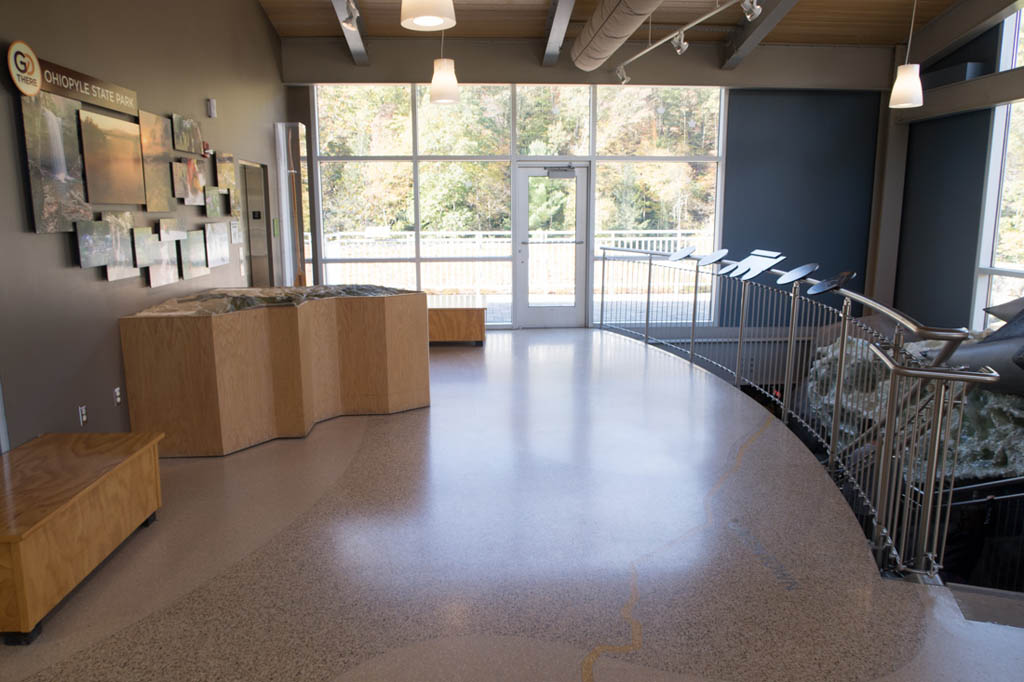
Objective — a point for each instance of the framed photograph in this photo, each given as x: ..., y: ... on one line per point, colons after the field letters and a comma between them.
x: 179, y: 180
x: 214, y: 204
x: 234, y: 202
x: 195, y: 180
x: 95, y: 242
x: 218, y: 244
x: 192, y: 255
x: 171, y: 230
x: 54, y: 162
x: 187, y: 137
x: 113, y: 160
x: 159, y: 258
x: 121, y: 264
x: 142, y: 245
x: 156, y: 160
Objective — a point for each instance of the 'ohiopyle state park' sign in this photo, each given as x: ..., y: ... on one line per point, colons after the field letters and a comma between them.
x: 31, y: 74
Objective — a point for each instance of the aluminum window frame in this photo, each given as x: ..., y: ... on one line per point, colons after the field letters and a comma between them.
x: 592, y: 160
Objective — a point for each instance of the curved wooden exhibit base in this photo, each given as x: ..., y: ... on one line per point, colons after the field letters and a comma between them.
x: 215, y: 384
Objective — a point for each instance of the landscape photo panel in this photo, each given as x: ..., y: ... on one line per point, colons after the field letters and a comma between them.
x: 187, y: 137
x: 163, y: 268
x: 113, y: 160
x: 171, y: 230
x: 95, y: 242
x: 121, y: 264
x: 192, y: 255
x: 54, y: 162
x: 218, y: 244
x: 157, y: 150
x: 195, y: 172
x: 227, y: 176
x: 179, y: 179
x: 143, y: 241
x: 214, y: 204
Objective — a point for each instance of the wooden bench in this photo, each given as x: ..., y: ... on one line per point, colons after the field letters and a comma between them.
x: 456, y: 318
x: 67, y: 501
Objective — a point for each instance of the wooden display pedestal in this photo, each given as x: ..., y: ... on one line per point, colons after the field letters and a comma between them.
x: 215, y: 384
x: 457, y: 318
x: 69, y: 500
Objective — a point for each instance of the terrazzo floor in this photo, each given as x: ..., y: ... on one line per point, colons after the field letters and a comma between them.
x: 574, y: 505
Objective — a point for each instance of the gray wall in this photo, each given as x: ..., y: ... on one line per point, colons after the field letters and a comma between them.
x: 59, y: 344
x: 943, y: 201
x: 799, y: 173
x: 943, y: 204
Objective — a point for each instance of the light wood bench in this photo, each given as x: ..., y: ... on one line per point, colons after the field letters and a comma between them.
x: 456, y: 318
x: 67, y: 501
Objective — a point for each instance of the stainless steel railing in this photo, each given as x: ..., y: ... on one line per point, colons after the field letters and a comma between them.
x: 840, y: 368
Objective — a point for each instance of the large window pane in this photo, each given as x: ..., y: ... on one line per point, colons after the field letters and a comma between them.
x: 553, y: 120
x: 657, y: 121
x: 1009, y: 245
x: 464, y: 209
x: 367, y: 209
x: 471, y: 284
x: 364, y: 120
x: 477, y: 125
x: 656, y: 205
x: 399, y: 275
x: 551, y: 268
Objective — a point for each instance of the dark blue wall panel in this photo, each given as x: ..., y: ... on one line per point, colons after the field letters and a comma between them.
x: 942, y: 208
x: 799, y: 175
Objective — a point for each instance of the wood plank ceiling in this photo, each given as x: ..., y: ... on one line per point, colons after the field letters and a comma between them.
x: 815, y: 22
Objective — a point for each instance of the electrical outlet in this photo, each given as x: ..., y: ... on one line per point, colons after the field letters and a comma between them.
x: 83, y: 415
x: 117, y: 395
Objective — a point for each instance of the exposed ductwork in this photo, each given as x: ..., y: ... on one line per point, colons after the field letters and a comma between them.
x: 611, y: 25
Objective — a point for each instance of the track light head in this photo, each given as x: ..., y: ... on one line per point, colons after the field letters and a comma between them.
x: 620, y: 72
x: 751, y: 10
x: 353, y: 16
x: 679, y: 43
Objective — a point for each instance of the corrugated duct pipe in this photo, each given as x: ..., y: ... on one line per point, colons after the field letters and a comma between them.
x: 611, y: 25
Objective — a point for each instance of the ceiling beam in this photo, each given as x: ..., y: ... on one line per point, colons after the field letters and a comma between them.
x: 558, y: 22
x: 983, y: 92
x: 752, y: 33
x: 354, y: 38
x: 958, y: 25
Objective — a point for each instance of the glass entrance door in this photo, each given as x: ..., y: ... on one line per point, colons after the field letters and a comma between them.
x: 550, y: 237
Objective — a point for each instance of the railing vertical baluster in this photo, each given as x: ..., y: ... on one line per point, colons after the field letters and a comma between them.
x: 744, y: 287
x: 794, y: 313
x: 604, y: 273
x: 925, y: 520
x: 837, y: 408
x: 647, y: 313
x: 693, y: 312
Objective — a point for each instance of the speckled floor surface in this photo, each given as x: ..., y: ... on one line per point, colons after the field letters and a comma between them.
x: 573, y: 506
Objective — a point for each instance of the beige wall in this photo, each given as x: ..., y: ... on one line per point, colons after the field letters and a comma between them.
x: 398, y: 60
x: 59, y: 343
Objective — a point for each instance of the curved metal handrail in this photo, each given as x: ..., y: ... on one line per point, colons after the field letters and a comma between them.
x: 923, y: 331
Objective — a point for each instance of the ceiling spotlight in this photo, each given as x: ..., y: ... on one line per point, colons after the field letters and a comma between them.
x: 679, y: 43
x: 620, y: 73
x: 353, y: 16
x: 751, y: 10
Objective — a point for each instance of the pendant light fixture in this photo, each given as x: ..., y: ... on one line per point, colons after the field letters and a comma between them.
x: 444, y: 86
x: 906, y: 91
x: 428, y: 15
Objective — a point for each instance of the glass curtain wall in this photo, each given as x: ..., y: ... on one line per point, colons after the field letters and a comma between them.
x: 418, y: 195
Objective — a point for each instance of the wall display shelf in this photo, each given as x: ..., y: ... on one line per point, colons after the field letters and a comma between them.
x: 69, y: 500
x: 231, y: 368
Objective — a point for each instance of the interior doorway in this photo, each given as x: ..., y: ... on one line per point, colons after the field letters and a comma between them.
x: 256, y: 225
x: 550, y: 240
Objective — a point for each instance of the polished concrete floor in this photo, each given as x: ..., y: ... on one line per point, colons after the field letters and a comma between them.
x: 572, y: 506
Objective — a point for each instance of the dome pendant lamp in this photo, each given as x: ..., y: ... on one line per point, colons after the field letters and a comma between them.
x: 906, y: 91
x: 428, y: 15
x: 444, y: 86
